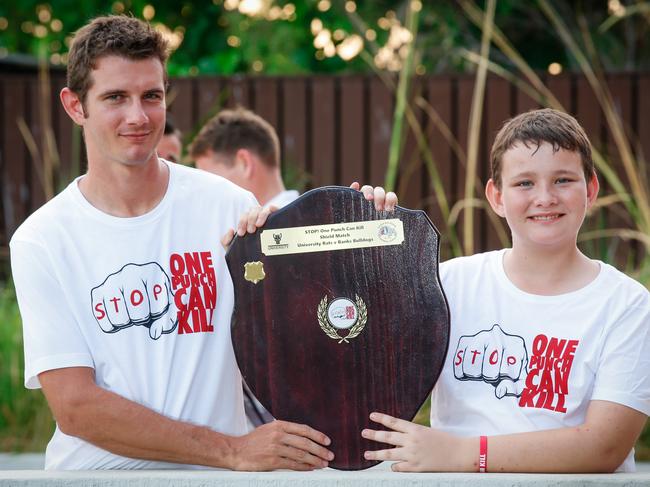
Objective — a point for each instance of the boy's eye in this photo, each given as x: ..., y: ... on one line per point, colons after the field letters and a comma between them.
x: 563, y: 180
x: 524, y: 184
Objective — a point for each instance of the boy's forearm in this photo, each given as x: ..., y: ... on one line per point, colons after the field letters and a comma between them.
x: 601, y: 444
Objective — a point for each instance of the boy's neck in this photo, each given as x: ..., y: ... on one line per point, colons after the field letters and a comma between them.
x: 549, y: 273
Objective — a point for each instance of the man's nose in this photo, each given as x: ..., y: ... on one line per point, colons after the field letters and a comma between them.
x: 137, y: 115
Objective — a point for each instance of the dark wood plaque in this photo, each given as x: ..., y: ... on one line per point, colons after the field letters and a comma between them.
x: 288, y: 327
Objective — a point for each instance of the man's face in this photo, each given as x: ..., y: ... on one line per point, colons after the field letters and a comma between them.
x: 170, y: 147
x: 124, y: 111
x: 221, y: 166
x: 544, y: 196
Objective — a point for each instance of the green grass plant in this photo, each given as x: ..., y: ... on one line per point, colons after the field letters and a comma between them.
x: 26, y: 423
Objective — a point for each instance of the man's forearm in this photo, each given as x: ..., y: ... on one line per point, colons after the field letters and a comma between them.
x: 126, y: 428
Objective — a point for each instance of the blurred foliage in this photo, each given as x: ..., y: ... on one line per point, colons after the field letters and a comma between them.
x: 278, y: 36
x: 26, y: 423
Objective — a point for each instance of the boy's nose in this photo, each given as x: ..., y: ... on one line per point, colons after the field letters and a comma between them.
x: 545, y: 196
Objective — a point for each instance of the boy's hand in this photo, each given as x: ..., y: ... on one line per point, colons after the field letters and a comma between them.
x: 419, y: 448
x: 383, y: 201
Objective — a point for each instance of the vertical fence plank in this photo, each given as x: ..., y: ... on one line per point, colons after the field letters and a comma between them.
x: 560, y: 86
x: 499, y: 109
x: 181, y: 103
x: 323, y: 136
x: 294, y: 129
x: 210, y: 100
x: 15, y: 190
x: 266, y: 100
x: 410, y: 175
x: 351, y: 130
x: 643, y: 122
x: 380, y: 124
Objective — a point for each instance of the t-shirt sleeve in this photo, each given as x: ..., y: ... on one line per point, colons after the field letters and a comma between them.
x: 623, y: 374
x: 51, y: 335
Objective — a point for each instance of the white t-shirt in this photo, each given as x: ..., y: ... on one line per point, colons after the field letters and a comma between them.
x: 283, y: 198
x: 519, y: 362
x: 145, y: 301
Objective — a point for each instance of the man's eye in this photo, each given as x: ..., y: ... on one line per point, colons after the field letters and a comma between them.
x: 153, y: 96
x: 114, y: 97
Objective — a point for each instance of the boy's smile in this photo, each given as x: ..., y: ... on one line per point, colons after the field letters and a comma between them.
x: 543, y: 195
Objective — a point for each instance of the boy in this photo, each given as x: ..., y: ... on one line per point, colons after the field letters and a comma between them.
x: 548, y: 360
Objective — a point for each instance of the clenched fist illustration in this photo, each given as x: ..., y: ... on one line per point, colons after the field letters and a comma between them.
x: 495, y: 357
x: 135, y: 295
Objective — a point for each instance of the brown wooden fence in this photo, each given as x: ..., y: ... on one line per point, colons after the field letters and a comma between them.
x: 333, y: 130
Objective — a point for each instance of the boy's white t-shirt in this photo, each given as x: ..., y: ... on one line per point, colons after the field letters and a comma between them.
x: 519, y: 362
x: 146, y: 302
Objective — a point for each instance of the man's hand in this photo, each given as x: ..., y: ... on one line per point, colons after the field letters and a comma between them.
x: 281, y: 445
x: 255, y: 218
x: 494, y: 357
x: 419, y: 448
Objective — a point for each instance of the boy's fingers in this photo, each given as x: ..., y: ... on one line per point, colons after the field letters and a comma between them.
x: 380, y: 198
x: 388, y: 437
x: 391, y: 201
x: 392, y: 423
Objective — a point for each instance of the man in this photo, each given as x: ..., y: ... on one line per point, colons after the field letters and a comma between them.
x: 170, y: 146
x: 123, y: 288
x: 244, y: 148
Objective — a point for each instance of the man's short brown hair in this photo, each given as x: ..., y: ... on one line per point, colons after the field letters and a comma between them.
x: 117, y: 35
x: 535, y: 127
x: 231, y: 130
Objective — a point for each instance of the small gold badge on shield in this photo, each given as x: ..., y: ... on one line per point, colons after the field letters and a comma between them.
x: 254, y: 272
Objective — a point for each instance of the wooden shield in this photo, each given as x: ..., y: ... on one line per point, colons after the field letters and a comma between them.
x: 326, y: 337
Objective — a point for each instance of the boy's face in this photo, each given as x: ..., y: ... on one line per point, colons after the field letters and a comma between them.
x: 124, y: 114
x: 544, y: 196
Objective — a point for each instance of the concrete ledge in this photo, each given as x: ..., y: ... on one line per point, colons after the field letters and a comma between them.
x: 379, y: 476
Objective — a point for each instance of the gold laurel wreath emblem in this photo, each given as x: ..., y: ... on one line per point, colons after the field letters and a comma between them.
x: 331, y: 332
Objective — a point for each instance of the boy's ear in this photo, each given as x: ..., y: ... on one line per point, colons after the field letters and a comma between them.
x: 495, y: 197
x: 72, y: 105
x: 593, y: 186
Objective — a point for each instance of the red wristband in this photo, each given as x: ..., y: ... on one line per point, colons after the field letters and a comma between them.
x: 482, y: 455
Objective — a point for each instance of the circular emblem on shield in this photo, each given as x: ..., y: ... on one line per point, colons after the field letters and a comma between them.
x: 387, y: 232
x: 342, y: 313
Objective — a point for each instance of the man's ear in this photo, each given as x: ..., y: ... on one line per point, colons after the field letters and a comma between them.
x: 72, y: 105
x: 495, y: 197
x: 592, y: 189
x: 246, y: 160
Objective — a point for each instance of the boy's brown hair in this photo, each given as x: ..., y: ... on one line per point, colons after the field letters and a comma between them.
x: 560, y: 130
x: 117, y: 35
x: 231, y: 130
